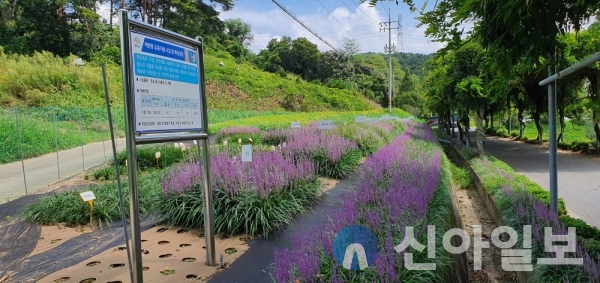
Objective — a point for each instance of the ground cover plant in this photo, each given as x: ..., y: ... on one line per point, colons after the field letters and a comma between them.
x: 405, y: 183
x: 67, y: 207
x: 260, y: 196
x: 574, y: 136
x: 280, y: 182
x: 522, y: 203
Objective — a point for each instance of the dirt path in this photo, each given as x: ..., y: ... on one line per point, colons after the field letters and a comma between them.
x: 474, y: 213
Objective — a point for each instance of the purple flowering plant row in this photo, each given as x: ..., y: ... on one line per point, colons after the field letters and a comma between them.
x: 519, y: 207
x: 263, y: 195
x: 405, y: 183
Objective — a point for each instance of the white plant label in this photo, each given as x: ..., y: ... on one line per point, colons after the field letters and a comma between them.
x: 360, y: 119
x: 239, y: 141
x: 195, y: 142
x: 87, y: 196
x: 176, y: 145
x: 325, y: 124
x: 247, y: 153
x: 295, y: 124
x: 157, y: 155
x: 225, y: 143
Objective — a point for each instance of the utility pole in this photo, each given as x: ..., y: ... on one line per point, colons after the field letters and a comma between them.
x: 389, y: 48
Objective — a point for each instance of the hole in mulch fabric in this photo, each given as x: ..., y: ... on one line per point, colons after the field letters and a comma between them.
x: 162, y: 230
x: 62, y: 279
x: 144, y: 241
x: 115, y: 282
x: 120, y: 249
x: 93, y: 263
x: 145, y: 268
x: 145, y: 252
x: 231, y: 250
x: 165, y: 256
x: 181, y: 231
x: 163, y: 242
x: 188, y: 259
x: 89, y: 280
x: 185, y: 245
x: 116, y: 265
x: 193, y: 277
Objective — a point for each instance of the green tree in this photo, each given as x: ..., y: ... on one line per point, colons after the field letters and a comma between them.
x: 239, y: 32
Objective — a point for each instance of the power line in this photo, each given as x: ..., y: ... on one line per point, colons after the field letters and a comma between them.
x: 356, y: 13
x: 358, y: 6
x: 302, y: 24
x: 335, y: 19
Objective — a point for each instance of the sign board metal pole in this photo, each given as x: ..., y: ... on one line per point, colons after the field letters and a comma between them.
x: 136, y: 250
x: 209, y: 225
x: 552, y: 151
x: 164, y: 94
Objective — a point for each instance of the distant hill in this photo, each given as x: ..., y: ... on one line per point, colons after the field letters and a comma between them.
x: 413, y: 62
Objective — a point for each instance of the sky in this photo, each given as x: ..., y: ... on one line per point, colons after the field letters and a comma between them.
x: 332, y: 20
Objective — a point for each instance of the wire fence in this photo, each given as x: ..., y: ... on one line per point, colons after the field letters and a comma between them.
x: 41, y: 145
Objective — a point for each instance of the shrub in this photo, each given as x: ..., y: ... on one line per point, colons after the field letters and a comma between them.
x: 514, y: 134
x: 397, y: 187
x: 266, y: 193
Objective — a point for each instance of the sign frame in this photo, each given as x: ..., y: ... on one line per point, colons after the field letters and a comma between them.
x: 134, y: 137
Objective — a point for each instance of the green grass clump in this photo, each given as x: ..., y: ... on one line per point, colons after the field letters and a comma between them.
x: 247, y: 212
x: 68, y: 208
x: 169, y: 155
x: 461, y: 176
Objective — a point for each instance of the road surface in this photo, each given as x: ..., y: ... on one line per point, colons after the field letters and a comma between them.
x: 43, y: 170
x: 578, y: 174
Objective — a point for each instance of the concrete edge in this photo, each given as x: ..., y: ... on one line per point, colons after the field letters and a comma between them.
x: 522, y: 276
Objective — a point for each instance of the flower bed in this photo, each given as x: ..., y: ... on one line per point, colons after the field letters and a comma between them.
x: 405, y: 183
x: 262, y: 195
x: 521, y: 205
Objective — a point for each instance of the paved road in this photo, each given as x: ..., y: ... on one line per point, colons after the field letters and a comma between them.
x: 42, y: 171
x: 578, y: 175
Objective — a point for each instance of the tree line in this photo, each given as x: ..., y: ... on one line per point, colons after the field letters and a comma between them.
x: 493, y: 70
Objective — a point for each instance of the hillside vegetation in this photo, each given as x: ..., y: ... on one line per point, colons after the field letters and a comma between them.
x: 46, y: 80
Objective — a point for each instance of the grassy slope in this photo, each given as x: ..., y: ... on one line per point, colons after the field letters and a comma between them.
x: 43, y: 80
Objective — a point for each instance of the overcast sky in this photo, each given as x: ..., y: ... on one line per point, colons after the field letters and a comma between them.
x: 333, y: 20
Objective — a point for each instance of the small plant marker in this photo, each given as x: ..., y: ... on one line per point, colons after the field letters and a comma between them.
x: 240, y: 141
x: 224, y: 143
x: 295, y: 124
x: 325, y: 124
x: 157, y: 156
x: 89, y: 197
x: 247, y: 153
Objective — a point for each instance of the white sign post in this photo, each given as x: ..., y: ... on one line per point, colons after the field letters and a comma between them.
x: 325, y: 125
x: 247, y: 153
x: 89, y: 197
x: 295, y: 125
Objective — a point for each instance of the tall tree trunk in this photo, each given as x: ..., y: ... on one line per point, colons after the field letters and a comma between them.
x: 480, y: 131
x: 467, y: 124
x: 522, y: 124
x: 538, y: 125
x: 561, y: 114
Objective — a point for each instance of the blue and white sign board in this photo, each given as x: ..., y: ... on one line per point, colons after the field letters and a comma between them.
x: 166, y: 85
x: 325, y: 125
x: 372, y: 120
x: 360, y: 119
x: 295, y: 124
x: 247, y: 153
